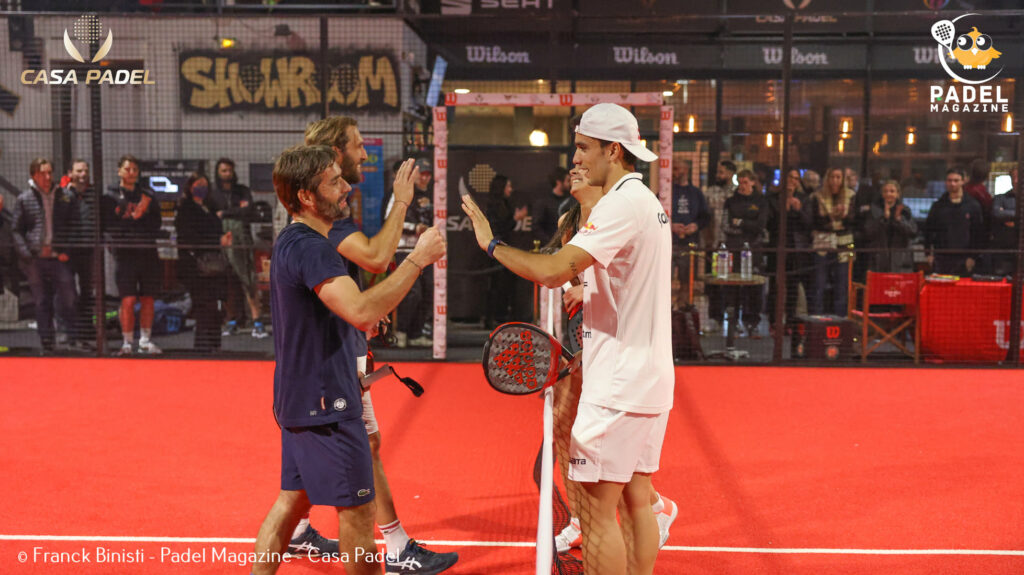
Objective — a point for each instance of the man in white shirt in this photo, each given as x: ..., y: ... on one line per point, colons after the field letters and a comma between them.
x: 624, y: 252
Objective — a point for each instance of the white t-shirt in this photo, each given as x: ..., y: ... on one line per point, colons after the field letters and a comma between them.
x: 627, y: 302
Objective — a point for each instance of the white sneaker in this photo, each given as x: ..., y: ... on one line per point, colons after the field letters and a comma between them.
x: 570, y: 537
x: 149, y: 347
x: 665, y: 519
x: 401, y: 339
x: 126, y: 349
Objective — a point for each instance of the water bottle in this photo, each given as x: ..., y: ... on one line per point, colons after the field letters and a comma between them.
x: 746, y: 262
x: 724, y: 261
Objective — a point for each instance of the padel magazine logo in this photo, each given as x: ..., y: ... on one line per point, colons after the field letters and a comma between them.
x: 972, y: 59
x: 87, y: 31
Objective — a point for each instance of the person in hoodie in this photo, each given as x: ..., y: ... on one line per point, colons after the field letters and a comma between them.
x: 744, y: 222
x: 832, y: 215
x: 889, y: 226
x: 1004, y: 228
x: 131, y: 216
x: 44, y: 214
x: 955, y: 222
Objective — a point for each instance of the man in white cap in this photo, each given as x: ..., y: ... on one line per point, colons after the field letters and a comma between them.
x: 625, y: 253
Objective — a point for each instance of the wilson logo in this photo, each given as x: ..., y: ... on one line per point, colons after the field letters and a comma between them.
x: 643, y: 55
x: 495, y: 55
x: 773, y: 56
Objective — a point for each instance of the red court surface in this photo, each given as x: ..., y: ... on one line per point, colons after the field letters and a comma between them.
x: 776, y: 470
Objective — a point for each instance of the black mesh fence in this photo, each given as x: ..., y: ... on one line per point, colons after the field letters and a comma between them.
x: 206, y: 87
x: 243, y: 87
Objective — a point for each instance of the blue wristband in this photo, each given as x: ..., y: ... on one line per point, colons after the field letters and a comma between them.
x: 494, y: 243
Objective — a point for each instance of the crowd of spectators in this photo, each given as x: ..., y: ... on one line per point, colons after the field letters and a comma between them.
x: 838, y: 224
x: 49, y: 238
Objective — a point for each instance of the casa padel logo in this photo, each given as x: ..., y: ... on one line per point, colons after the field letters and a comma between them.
x: 88, y: 29
x: 86, y: 32
x: 971, y: 58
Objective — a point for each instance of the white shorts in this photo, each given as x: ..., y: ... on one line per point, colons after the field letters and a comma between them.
x: 612, y: 445
x: 369, y: 419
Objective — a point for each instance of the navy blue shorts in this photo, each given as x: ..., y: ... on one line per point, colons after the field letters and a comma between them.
x: 331, y: 463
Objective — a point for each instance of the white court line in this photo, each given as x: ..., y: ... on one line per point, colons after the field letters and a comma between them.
x: 442, y: 543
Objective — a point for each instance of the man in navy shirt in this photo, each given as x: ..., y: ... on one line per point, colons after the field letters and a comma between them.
x: 318, y: 313
x: 690, y: 214
x: 341, y: 134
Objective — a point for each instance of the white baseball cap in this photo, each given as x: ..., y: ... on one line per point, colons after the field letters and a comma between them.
x: 613, y: 123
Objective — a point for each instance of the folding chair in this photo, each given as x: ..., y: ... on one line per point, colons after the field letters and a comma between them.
x: 899, y: 293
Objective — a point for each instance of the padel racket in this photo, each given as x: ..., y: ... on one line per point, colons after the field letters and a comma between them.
x: 942, y: 32
x: 520, y: 358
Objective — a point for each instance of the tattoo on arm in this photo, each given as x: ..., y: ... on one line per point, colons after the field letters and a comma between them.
x: 572, y: 267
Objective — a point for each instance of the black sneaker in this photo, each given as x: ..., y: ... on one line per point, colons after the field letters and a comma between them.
x: 418, y: 560
x: 312, y: 544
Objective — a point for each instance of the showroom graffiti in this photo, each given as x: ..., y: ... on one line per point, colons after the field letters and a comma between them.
x: 362, y: 81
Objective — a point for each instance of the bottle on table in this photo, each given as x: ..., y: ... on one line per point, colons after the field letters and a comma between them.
x: 724, y: 261
x: 746, y: 262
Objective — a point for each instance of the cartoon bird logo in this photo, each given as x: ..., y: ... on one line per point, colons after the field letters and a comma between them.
x: 974, y: 50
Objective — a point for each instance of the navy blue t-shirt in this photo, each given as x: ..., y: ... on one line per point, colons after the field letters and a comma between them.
x: 315, y: 373
x: 341, y: 230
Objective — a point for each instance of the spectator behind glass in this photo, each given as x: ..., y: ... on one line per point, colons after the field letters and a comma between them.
x: 545, y: 209
x: 502, y: 218
x: 832, y: 218
x: 890, y: 226
x: 415, y: 313
x: 977, y: 186
x: 798, y: 236
x: 955, y: 222
x: 690, y: 215
x: 232, y: 203
x: 83, y: 333
x: 130, y: 215
x: 1004, y: 228
x: 713, y: 235
x: 746, y: 214
x: 44, y: 216
x: 201, y: 237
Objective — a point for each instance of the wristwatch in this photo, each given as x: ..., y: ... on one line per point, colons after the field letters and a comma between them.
x: 494, y: 243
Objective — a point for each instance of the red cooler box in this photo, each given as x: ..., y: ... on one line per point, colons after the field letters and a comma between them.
x: 822, y: 337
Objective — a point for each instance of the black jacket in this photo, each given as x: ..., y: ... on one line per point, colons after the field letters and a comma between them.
x: 545, y: 216
x: 1004, y: 212
x: 798, y: 222
x: 229, y: 202
x: 955, y: 226
x: 501, y: 216
x: 196, y: 227
x: 893, y: 234
x: 144, y: 230
x: 746, y: 218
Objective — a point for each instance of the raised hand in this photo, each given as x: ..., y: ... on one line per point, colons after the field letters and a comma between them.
x: 481, y: 227
x: 405, y: 178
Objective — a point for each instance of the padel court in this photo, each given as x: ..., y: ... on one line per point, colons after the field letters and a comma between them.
x: 776, y: 470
